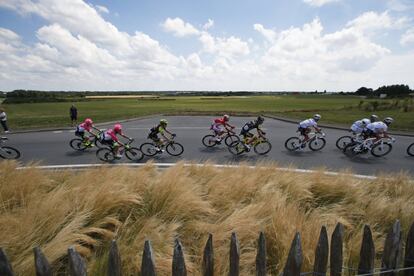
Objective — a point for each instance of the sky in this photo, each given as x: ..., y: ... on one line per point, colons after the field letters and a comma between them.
x: 226, y: 45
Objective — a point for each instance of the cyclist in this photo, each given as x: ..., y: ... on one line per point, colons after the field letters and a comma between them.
x: 84, y: 127
x: 306, y: 126
x: 218, y: 125
x: 110, y: 138
x: 378, y: 129
x: 161, y: 129
x: 374, y: 118
x: 359, y: 126
x: 248, y: 137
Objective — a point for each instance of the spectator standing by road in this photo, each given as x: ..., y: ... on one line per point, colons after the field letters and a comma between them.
x: 73, y: 112
x: 3, y: 120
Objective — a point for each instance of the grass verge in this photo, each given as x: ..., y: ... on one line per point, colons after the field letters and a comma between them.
x: 55, y: 210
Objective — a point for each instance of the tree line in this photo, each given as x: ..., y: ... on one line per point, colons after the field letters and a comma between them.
x: 390, y: 91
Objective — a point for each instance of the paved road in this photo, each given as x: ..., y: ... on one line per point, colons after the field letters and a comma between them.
x: 52, y: 148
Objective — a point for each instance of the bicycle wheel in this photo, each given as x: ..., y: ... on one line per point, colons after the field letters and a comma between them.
x: 262, y: 147
x: 209, y: 140
x: 381, y: 149
x: 105, y: 154
x: 174, y: 149
x: 9, y: 153
x: 236, y: 148
x: 410, y: 149
x: 349, y: 149
x: 343, y: 141
x: 77, y: 144
x: 317, y: 144
x: 99, y: 144
x: 134, y: 154
x: 148, y: 149
x: 292, y: 144
x: 230, y: 139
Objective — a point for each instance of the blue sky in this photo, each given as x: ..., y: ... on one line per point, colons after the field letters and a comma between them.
x: 168, y: 45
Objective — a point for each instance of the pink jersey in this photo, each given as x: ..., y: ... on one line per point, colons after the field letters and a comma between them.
x: 110, y: 134
x: 84, y: 126
x: 220, y: 121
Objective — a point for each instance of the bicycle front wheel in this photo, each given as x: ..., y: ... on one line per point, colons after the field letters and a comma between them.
x: 77, y: 144
x: 231, y: 139
x: 9, y: 153
x: 381, y: 149
x: 209, y: 140
x: 262, y: 148
x: 236, y: 148
x: 174, y: 149
x: 105, y: 154
x: 292, y: 144
x: 134, y: 154
x: 410, y: 149
x: 148, y: 149
x: 343, y: 141
x: 317, y: 144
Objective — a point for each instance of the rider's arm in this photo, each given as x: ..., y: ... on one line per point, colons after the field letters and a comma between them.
x: 226, y: 125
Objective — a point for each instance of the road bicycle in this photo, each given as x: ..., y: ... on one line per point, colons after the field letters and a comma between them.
x: 228, y: 136
x: 83, y: 144
x: 347, y: 139
x: 410, y: 150
x: 173, y: 148
x: 260, y: 145
x: 315, y: 142
x: 7, y: 152
x: 108, y: 154
x: 378, y: 148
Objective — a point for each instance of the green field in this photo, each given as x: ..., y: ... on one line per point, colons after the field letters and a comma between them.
x: 335, y: 109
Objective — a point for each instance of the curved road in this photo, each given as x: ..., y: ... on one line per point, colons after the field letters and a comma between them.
x: 52, y: 148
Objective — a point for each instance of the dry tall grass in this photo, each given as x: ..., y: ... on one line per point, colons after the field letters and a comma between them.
x: 87, y: 209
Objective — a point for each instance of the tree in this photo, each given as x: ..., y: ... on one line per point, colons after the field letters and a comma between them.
x: 363, y: 91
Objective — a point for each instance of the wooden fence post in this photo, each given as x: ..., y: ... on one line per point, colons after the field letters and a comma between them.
x: 114, y: 260
x: 367, y: 253
x: 295, y: 258
x: 42, y: 266
x: 76, y: 265
x: 321, y: 254
x: 261, y: 255
x: 178, y: 265
x: 148, y: 263
x: 409, y: 252
x: 208, y: 257
x: 392, y: 247
x: 5, y: 267
x: 234, y: 255
x: 336, y: 257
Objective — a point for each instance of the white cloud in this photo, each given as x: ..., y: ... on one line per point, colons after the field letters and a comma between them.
x: 102, y: 9
x: 270, y: 35
x: 319, y: 3
x: 230, y: 47
x: 407, y: 37
x: 372, y: 21
x: 209, y: 24
x: 179, y: 28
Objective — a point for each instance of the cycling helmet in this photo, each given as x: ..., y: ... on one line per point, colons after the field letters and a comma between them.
x: 163, y: 122
x: 88, y: 122
x: 117, y: 128
x: 373, y: 118
x: 260, y: 119
x: 226, y: 117
x: 388, y: 120
x: 317, y: 117
x: 365, y: 121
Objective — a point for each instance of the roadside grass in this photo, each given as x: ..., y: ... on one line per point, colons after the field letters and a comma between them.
x: 335, y: 109
x: 55, y: 210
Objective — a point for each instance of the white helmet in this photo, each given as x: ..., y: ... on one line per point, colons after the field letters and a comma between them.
x: 317, y: 117
x: 365, y: 121
x: 388, y: 120
x: 226, y: 117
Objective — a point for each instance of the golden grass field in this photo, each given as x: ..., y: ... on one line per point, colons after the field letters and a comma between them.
x: 55, y: 210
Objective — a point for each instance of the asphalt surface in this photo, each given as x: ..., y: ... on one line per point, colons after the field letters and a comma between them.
x: 52, y: 147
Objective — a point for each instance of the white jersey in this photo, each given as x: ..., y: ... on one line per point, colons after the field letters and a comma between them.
x: 308, y: 123
x: 358, y: 126
x: 377, y: 127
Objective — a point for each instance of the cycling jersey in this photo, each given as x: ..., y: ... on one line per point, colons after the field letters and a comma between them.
x: 82, y: 127
x: 308, y: 123
x: 377, y: 127
x: 358, y: 126
x: 251, y: 125
x: 110, y: 135
x: 157, y: 129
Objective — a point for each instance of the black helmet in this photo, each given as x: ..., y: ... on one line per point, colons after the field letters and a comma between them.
x: 260, y: 119
x: 388, y: 121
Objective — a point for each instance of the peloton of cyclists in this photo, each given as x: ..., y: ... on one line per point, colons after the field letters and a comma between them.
x: 218, y: 126
x: 110, y: 138
x: 86, y: 126
x: 161, y: 129
x: 249, y: 137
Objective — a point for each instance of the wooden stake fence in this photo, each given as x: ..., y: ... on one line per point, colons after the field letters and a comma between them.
x: 390, y: 260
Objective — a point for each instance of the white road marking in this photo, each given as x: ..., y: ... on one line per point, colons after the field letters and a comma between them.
x: 58, y: 131
x: 168, y: 165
